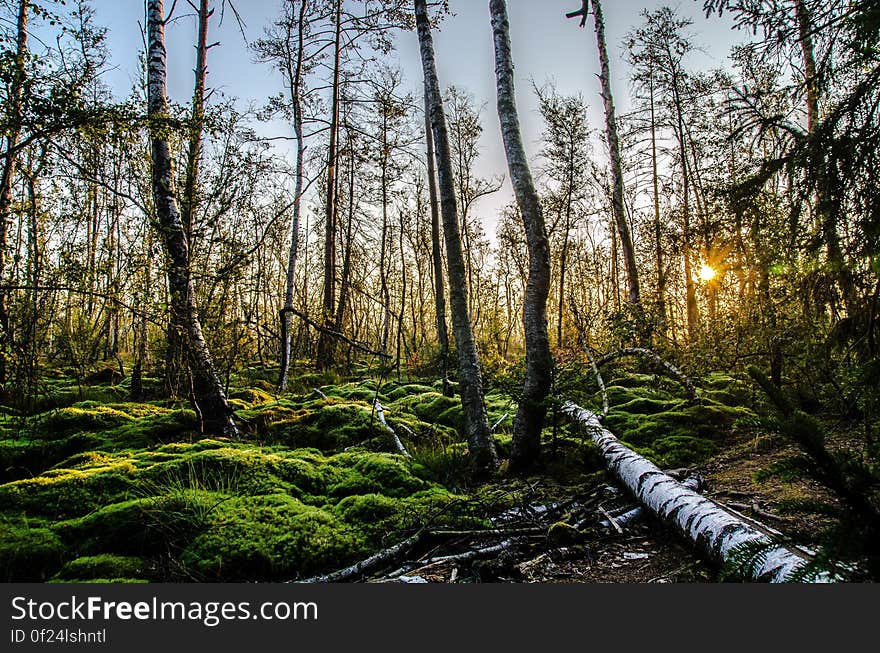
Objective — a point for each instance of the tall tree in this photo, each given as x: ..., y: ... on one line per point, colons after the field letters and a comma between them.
x: 13, y: 134
x: 208, y: 395
x: 325, y: 343
x: 566, y: 155
x: 613, y: 141
x: 286, y: 47
x: 175, y: 357
x: 532, y: 408
x: 657, y: 52
x: 437, y: 256
x: 482, y: 449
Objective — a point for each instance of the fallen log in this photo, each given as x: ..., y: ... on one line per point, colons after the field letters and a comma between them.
x: 601, y: 382
x: 718, y: 533
x: 628, y: 516
x: 375, y: 561
x: 466, y: 556
x: 380, y: 413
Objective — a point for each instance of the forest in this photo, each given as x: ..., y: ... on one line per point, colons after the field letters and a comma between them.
x: 314, y: 336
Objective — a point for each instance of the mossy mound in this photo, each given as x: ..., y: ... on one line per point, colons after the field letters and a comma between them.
x: 212, y: 509
x: 28, y: 552
x: 663, y: 425
x: 44, y: 440
x: 68, y: 492
x: 326, y: 424
x: 270, y: 537
x: 104, y: 567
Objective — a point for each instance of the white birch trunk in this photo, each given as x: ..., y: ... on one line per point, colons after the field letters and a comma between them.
x: 380, y: 413
x: 715, y: 531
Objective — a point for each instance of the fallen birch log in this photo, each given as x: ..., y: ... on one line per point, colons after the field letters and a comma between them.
x: 716, y: 532
x: 369, y: 564
x: 629, y: 516
x: 380, y: 413
x: 466, y: 556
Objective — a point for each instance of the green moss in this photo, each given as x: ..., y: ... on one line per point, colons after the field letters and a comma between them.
x: 230, y: 469
x: 330, y: 425
x: 61, y: 493
x: 667, y: 428
x: 679, y: 450
x: 28, y: 553
x: 366, y: 473
x: 562, y: 534
x: 84, y: 416
x: 252, y: 396
x: 141, y: 526
x: 647, y: 406
x: 50, y: 438
x: 270, y: 538
x: 104, y: 566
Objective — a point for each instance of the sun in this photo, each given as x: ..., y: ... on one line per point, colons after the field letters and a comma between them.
x: 707, y: 273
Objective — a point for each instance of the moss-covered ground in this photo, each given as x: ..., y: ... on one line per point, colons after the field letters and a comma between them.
x: 94, y: 488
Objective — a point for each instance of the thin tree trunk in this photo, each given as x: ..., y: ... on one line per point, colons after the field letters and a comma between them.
x: 529, y: 421
x: 208, y: 392
x: 480, y: 444
x: 188, y: 205
x: 385, y: 247
x: 437, y: 257
x: 295, y: 76
x: 404, y: 280
x: 658, y: 242
x: 326, y: 345
x: 345, y: 280
x: 690, y: 287
x: 175, y: 356
x: 136, y: 390
x: 626, y: 244
x: 811, y: 79
x: 9, y: 163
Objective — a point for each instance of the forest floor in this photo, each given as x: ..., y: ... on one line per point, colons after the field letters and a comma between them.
x: 96, y: 488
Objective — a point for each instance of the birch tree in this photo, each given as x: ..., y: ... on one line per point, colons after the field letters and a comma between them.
x: 437, y: 255
x: 532, y: 408
x: 482, y: 449
x: 13, y: 134
x: 208, y: 395
x: 612, y: 139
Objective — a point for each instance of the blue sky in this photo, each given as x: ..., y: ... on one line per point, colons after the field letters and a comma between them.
x: 546, y: 46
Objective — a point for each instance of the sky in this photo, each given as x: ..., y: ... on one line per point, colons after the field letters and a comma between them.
x: 546, y: 47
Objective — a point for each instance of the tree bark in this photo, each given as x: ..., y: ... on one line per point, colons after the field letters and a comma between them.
x: 295, y: 76
x: 208, y: 394
x: 658, y: 233
x: 345, y: 277
x: 626, y: 244
x: 437, y: 258
x: 326, y: 346
x: 480, y: 444
x: 719, y: 534
x: 529, y: 421
x: 9, y: 162
x: 175, y: 357
x: 690, y: 287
